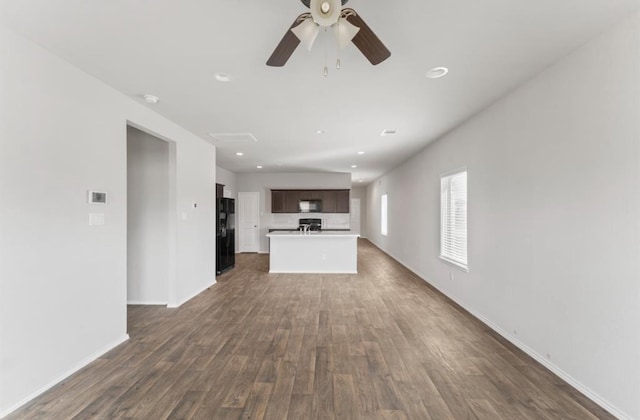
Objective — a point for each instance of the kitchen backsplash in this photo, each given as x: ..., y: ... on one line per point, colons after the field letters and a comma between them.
x: 290, y: 220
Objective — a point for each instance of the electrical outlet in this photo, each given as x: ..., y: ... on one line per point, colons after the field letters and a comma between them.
x: 96, y: 219
x: 451, y: 275
x: 515, y: 332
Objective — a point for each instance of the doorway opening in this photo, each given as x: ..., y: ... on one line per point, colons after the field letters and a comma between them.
x: 150, y: 199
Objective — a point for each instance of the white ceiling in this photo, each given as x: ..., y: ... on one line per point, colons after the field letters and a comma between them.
x: 172, y: 49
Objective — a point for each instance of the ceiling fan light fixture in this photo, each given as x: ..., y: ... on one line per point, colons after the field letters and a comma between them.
x: 307, y: 32
x: 308, y: 2
x: 344, y: 32
x: 325, y: 12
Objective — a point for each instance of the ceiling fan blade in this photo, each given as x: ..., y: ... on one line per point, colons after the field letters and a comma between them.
x: 287, y: 45
x: 365, y: 40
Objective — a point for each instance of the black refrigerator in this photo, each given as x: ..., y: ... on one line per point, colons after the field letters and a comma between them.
x: 225, y: 235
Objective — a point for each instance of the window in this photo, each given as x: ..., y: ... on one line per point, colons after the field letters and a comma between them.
x: 453, y: 218
x: 383, y: 214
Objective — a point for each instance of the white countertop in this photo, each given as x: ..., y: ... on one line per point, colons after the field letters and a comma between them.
x: 298, y: 234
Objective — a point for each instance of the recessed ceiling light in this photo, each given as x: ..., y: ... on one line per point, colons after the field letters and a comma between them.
x: 361, y: 153
x: 437, y: 72
x: 223, y: 77
x: 151, y: 99
x: 360, y: 180
x: 354, y: 166
x: 259, y: 166
x: 239, y: 154
x: 388, y: 132
x: 320, y: 131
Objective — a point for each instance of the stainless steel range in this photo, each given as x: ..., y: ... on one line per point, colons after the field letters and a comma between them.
x: 313, y: 225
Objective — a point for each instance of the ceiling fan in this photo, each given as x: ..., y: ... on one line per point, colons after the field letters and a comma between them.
x: 347, y: 25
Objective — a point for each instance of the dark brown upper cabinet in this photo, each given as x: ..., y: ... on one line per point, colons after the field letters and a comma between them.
x: 286, y: 201
x: 329, y: 199
x: 292, y: 198
x: 219, y: 190
x: 311, y: 194
x: 342, y: 202
x: 336, y: 201
x: 278, y: 201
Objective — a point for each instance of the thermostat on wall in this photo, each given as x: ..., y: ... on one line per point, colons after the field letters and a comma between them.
x: 96, y: 197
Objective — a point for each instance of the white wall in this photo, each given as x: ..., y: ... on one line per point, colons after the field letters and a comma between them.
x: 265, y: 182
x: 147, y: 218
x: 195, y: 233
x: 63, y: 289
x: 554, y: 184
x: 229, y: 180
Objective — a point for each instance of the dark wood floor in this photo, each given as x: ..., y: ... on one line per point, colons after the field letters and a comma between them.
x: 377, y: 345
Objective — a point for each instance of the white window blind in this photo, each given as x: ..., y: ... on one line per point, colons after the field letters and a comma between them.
x: 383, y: 214
x: 453, y: 218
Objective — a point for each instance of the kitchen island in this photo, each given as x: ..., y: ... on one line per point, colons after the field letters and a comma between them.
x: 313, y: 252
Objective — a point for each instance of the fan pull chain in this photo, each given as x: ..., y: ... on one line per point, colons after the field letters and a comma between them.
x: 338, y: 48
x: 326, y: 68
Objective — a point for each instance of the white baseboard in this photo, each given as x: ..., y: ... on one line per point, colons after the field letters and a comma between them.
x: 178, y: 304
x: 144, y: 302
x: 84, y: 362
x: 593, y: 396
x: 585, y: 390
x: 312, y: 272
